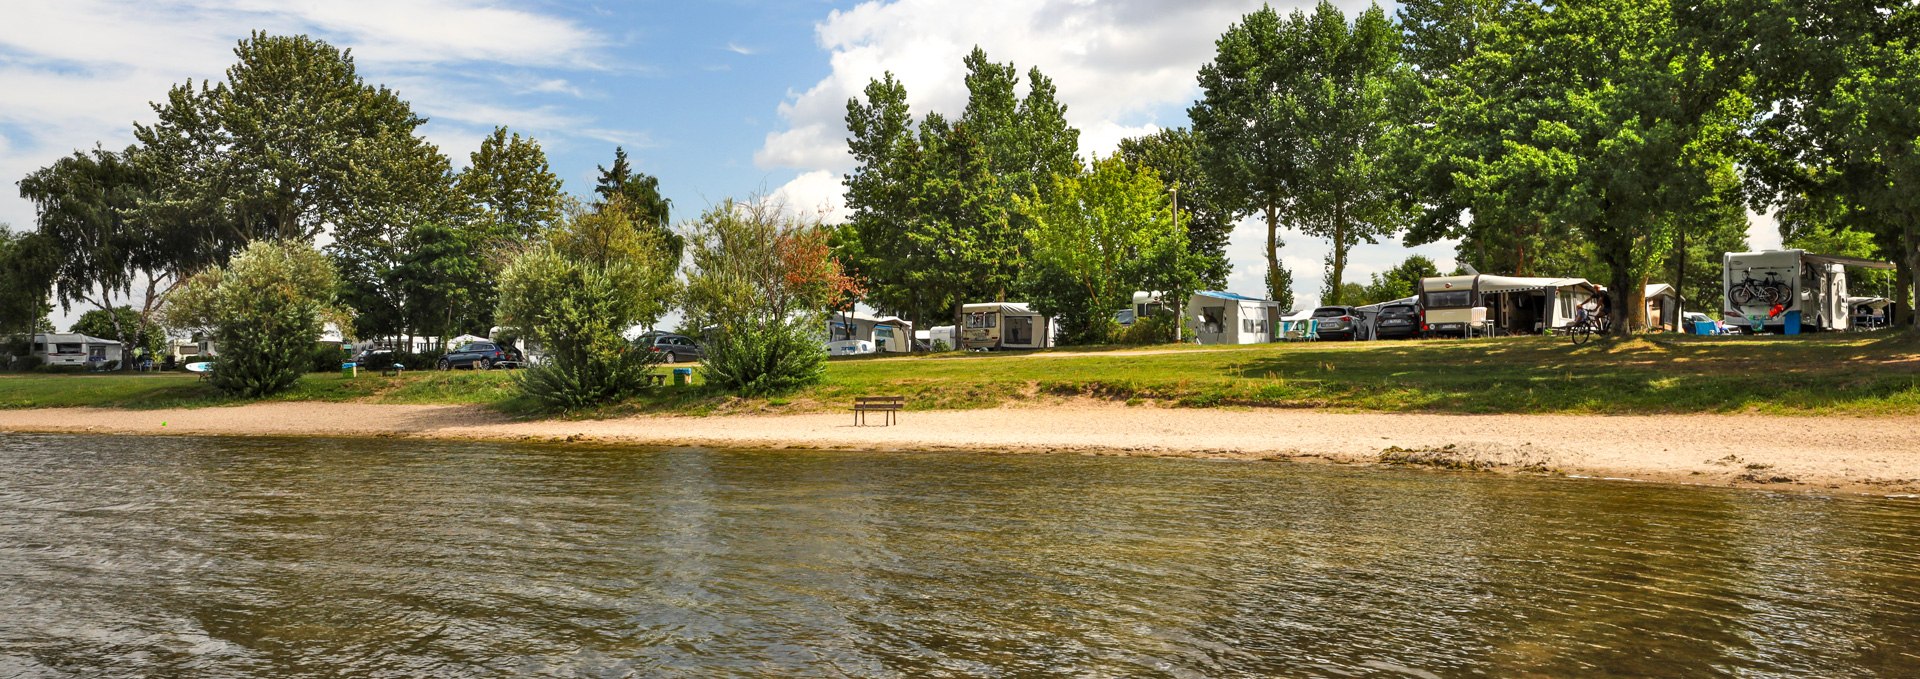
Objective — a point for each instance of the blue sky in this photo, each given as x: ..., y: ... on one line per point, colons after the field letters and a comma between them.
x: 717, y: 98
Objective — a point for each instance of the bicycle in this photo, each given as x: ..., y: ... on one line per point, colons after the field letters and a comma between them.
x: 1768, y: 292
x: 1585, y: 327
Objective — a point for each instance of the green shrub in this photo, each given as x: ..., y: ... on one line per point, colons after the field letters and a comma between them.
x: 578, y: 304
x: 1152, y: 329
x: 766, y: 357
x: 60, y: 369
x: 26, y: 363
x: 326, y: 358
x: 264, y: 308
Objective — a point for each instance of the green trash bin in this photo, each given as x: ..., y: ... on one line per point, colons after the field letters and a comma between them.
x: 682, y: 376
x: 349, y: 369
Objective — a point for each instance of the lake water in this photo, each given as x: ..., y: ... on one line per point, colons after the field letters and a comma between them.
x: 126, y: 556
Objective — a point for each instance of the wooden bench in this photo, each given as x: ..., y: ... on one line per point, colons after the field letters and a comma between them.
x: 656, y: 380
x: 888, y: 406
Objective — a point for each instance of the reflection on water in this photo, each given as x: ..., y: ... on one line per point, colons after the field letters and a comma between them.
x: 209, y: 557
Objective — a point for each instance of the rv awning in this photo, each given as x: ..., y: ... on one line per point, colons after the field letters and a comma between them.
x: 1528, y: 284
x: 1847, y: 261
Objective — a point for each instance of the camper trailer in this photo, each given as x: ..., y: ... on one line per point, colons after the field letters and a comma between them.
x: 1004, y: 325
x: 1227, y: 318
x: 1774, y: 290
x: 884, y: 333
x: 1480, y: 303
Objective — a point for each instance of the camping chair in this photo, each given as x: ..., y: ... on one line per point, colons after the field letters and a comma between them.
x: 1310, y: 330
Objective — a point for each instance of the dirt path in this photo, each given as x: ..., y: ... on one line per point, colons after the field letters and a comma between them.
x: 1867, y: 455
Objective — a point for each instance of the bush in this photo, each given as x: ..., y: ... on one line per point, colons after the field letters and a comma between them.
x: 264, y: 309
x: 578, y: 307
x: 766, y: 357
x: 326, y: 358
x: 26, y: 363
x: 1153, y: 329
x: 424, y: 360
x: 60, y: 369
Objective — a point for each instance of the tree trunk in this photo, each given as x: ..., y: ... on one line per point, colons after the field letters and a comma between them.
x: 1913, y: 267
x: 1680, y: 275
x: 1339, y: 259
x: 1273, y: 253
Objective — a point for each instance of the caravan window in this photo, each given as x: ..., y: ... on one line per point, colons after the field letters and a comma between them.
x: 1450, y: 299
x: 982, y: 319
x: 1255, y: 320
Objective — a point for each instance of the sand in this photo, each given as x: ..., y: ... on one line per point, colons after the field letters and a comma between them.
x: 1878, y: 455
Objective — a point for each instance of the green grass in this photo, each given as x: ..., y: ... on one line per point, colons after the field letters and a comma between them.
x: 1838, y: 374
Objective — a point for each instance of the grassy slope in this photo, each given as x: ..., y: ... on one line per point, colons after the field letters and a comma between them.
x: 1851, y: 374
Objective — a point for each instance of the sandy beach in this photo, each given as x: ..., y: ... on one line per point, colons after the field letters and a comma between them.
x: 1833, y: 455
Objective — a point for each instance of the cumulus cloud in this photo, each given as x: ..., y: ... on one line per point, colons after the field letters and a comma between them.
x: 1123, y: 69
x: 82, y: 71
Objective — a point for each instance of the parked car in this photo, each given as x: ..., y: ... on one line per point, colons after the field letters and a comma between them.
x: 1337, y: 322
x: 376, y: 359
x: 673, y: 348
x: 1398, y: 321
x: 480, y: 356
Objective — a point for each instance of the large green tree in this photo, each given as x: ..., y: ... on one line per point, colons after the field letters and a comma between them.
x: 28, y: 264
x: 1607, y: 115
x: 1338, y: 101
x: 763, y: 278
x: 1174, y: 154
x: 638, y: 195
x: 101, y: 243
x: 1101, y: 236
x: 1247, y: 131
x: 933, y: 225
x: 514, y: 195
x: 1399, y: 282
x: 148, y: 337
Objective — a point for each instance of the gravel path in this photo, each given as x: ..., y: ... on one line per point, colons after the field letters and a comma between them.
x: 1824, y: 454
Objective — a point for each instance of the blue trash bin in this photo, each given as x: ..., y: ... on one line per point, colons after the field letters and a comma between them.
x: 1703, y: 327
x: 682, y: 376
x: 1791, y: 323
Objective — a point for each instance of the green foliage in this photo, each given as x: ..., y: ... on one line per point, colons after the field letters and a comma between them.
x: 1099, y: 238
x: 598, y: 276
x: 1174, y: 154
x: 637, y: 195
x: 263, y: 309
x: 764, y: 279
x: 513, y: 193
x: 1249, y: 147
x: 445, y: 280
x: 1152, y: 329
x: 27, y: 266
x: 25, y: 363
x: 933, y: 225
x: 124, y: 325
x: 1399, y: 282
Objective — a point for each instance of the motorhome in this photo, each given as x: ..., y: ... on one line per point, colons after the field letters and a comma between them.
x: 1227, y: 318
x: 1782, y: 290
x: 1004, y: 325
x: 1480, y: 303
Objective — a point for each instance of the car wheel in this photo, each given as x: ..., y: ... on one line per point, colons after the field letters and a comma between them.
x: 484, y: 364
x: 445, y: 364
x: 670, y: 357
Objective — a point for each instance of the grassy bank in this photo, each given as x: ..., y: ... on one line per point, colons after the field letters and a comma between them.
x: 1839, y: 374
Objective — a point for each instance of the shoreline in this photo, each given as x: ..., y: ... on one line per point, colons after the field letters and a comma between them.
x: 1823, y: 455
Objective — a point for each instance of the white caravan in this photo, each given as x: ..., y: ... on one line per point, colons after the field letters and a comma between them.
x: 1765, y: 287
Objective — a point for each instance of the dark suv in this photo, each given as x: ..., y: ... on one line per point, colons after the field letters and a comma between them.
x: 1398, y: 321
x: 480, y: 356
x: 671, y: 348
x: 1337, y: 322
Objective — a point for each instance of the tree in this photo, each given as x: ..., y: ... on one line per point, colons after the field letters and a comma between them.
x: 102, y: 242
x: 445, y: 281
x: 509, y: 185
x: 638, y: 193
x: 147, y: 336
x: 1608, y: 115
x: 933, y: 225
x: 763, y: 279
x: 1337, y: 101
x: 291, y: 142
x: 1249, y: 147
x: 264, y: 309
x: 1400, y: 282
x: 1102, y: 236
x: 1174, y: 154
x: 28, y: 264
x: 598, y: 275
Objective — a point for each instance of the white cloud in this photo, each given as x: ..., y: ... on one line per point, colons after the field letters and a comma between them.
x: 82, y: 71
x: 741, y: 50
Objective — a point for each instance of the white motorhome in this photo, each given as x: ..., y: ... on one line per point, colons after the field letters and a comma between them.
x: 1766, y: 288
x: 1004, y: 325
x: 1509, y: 304
x: 1227, y: 318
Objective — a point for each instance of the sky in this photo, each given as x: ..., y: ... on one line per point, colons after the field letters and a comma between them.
x: 717, y: 98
